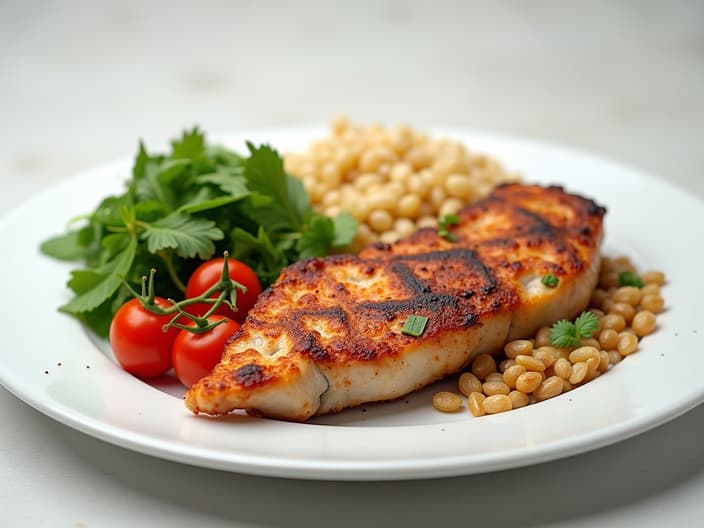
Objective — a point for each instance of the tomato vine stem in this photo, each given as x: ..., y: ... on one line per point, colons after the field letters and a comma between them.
x: 226, y: 287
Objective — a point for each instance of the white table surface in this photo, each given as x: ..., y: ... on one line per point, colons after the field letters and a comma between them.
x: 81, y: 82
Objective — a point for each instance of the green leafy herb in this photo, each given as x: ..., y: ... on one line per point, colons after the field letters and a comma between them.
x: 629, y: 278
x: 95, y: 286
x: 443, y: 227
x: 345, y: 229
x: 65, y: 247
x: 565, y: 333
x: 264, y: 174
x: 188, y: 236
x: 414, y: 325
x: 185, y: 206
x: 550, y: 280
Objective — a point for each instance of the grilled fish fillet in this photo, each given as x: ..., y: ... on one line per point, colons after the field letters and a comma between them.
x: 327, y: 335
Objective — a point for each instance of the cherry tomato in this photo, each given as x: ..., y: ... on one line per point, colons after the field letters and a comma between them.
x: 195, y: 355
x: 140, y: 345
x: 209, y: 273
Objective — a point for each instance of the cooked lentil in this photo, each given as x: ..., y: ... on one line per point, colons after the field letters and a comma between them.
x: 494, y: 376
x: 483, y: 365
x: 490, y: 388
x: 475, y: 403
x: 531, y: 363
x: 469, y: 383
x: 518, y: 399
x: 549, y: 388
x: 644, y: 323
x: 519, y: 346
x: 529, y: 381
x: 652, y: 302
x: 511, y: 375
x: 446, y: 401
x: 497, y: 403
x: 627, y: 343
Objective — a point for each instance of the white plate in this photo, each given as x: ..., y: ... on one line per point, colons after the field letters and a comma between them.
x: 51, y: 362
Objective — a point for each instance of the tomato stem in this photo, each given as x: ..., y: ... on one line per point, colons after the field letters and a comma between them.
x: 191, y: 328
x: 202, y: 325
x: 226, y: 287
x: 150, y: 291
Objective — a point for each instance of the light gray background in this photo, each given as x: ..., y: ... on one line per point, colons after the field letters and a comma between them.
x: 80, y: 82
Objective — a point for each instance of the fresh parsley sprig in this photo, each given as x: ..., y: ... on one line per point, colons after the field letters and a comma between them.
x: 565, y: 333
x: 182, y: 207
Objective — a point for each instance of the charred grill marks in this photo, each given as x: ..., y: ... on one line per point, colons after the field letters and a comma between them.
x: 540, y: 232
x: 425, y: 302
x: 446, y: 306
x: 409, y: 279
x: 466, y: 256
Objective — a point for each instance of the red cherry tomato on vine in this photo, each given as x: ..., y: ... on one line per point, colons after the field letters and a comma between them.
x: 140, y: 345
x: 195, y: 355
x: 209, y: 273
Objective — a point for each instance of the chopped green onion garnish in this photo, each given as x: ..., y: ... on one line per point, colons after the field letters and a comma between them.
x: 446, y: 222
x: 628, y: 278
x: 414, y: 325
x: 550, y: 280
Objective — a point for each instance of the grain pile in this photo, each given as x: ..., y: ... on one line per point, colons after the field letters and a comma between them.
x: 393, y: 180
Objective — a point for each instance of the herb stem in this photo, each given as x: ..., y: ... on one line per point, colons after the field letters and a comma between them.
x: 166, y: 258
x: 115, y: 229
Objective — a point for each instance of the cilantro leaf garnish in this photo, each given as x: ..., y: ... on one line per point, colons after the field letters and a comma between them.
x: 565, y: 333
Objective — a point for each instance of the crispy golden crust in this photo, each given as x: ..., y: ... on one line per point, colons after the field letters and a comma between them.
x: 326, y: 315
